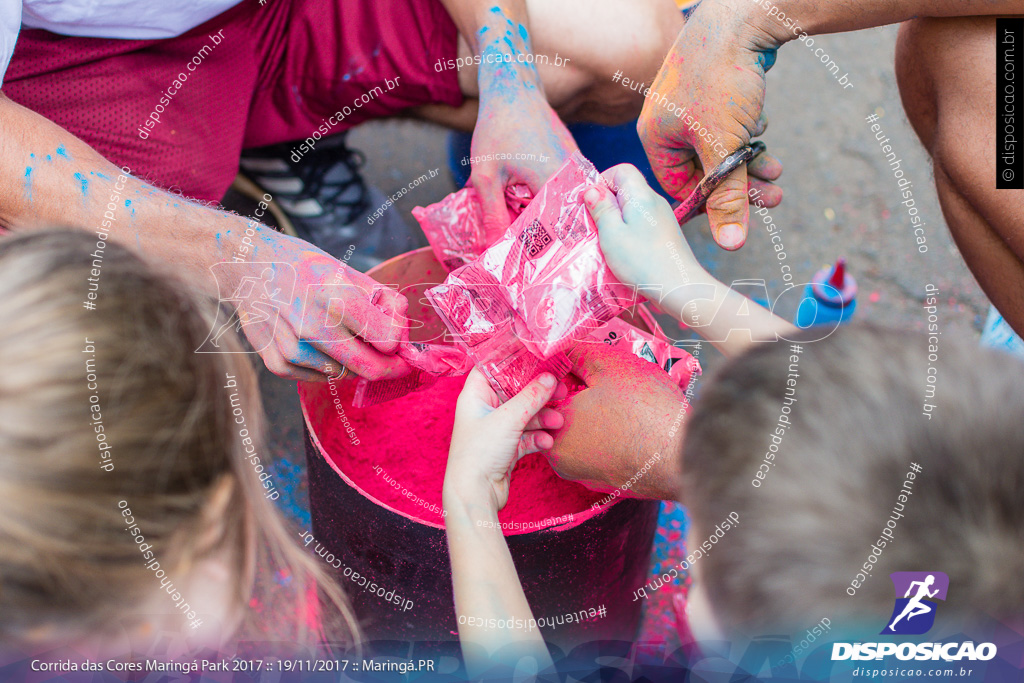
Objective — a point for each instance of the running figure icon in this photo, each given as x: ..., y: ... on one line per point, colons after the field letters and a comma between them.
x: 915, y: 606
x: 249, y: 302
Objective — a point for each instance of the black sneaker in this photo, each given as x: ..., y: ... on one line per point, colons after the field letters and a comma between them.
x: 323, y: 199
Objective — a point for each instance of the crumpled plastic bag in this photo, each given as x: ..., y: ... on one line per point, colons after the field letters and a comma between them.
x: 656, y: 348
x: 454, y: 226
x: 429, y: 361
x: 547, y: 268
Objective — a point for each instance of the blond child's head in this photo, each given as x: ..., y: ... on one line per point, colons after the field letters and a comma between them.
x: 833, y: 478
x: 112, y: 429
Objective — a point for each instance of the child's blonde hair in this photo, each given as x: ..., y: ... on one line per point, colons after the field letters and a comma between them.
x: 835, y: 476
x: 113, y: 404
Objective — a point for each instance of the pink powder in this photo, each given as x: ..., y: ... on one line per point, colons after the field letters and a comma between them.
x: 408, y: 439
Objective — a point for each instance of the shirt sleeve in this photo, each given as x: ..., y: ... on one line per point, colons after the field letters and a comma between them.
x: 10, y: 24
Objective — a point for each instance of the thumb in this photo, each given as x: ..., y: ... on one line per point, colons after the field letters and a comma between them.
x: 492, y: 200
x: 605, y: 211
x: 520, y: 409
x: 588, y: 361
x: 728, y: 210
x: 603, y: 207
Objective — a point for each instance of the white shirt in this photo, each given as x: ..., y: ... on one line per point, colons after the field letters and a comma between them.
x: 137, y: 19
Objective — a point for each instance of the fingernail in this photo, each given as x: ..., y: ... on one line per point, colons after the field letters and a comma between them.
x: 730, y: 235
x: 592, y: 196
x: 547, y: 380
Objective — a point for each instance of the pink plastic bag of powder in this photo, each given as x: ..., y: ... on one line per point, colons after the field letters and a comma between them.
x: 430, y: 362
x: 454, y: 226
x: 547, y: 269
x: 480, y: 318
x: 656, y: 348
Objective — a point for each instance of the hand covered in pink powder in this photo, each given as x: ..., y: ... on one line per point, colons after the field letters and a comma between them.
x: 489, y: 438
x: 714, y: 77
x: 305, y: 312
x: 509, y: 125
x: 618, y: 431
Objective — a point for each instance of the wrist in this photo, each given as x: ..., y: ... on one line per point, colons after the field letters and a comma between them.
x: 663, y: 481
x: 756, y: 23
x: 465, y: 500
x: 696, y: 298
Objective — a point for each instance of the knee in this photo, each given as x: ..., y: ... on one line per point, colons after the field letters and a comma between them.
x: 915, y: 61
x: 945, y: 72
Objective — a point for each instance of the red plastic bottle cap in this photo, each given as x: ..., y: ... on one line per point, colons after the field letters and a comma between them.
x: 833, y: 286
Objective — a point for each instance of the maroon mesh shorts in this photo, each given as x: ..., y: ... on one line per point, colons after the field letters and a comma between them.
x: 277, y: 74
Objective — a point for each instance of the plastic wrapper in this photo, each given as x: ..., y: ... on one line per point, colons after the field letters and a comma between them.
x: 656, y: 348
x: 454, y: 226
x: 483, y: 323
x: 429, y: 362
x: 547, y: 270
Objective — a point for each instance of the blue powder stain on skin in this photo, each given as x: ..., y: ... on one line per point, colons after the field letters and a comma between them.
x: 28, y: 182
x: 84, y: 181
x: 523, y: 33
x: 99, y: 175
x: 766, y: 58
x: 510, y: 45
x: 31, y: 155
x: 62, y: 152
x: 483, y: 30
x: 49, y: 158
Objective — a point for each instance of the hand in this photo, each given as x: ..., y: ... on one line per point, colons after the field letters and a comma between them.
x: 624, y: 419
x: 638, y: 233
x: 490, y: 438
x: 514, y: 122
x: 305, y: 312
x: 716, y: 73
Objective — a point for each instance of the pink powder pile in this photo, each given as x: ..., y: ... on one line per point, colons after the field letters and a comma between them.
x: 408, y: 438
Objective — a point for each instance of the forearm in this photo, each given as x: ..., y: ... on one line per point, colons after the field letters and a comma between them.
x: 662, y: 481
x: 67, y: 183
x: 486, y: 585
x: 728, y: 320
x: 835, y: 16
x: 498, y: 32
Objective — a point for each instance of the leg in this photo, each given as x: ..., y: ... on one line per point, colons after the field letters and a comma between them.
x: 946, y: 74
x: 595, y: 40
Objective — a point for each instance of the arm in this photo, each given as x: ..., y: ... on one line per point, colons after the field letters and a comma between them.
x: 716, y: 72
x: 487, y: 441
x: 63, y: 181
x: 910, y: 588
x: 514, y: 115
x: 644, y: 247
x: 816, y: 17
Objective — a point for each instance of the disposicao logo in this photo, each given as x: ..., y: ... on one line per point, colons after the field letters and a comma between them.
x: 914, y: 614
